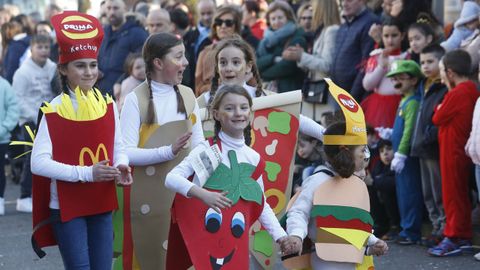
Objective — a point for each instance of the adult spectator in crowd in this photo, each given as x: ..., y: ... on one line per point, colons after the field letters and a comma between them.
x: 121, y: 38
x: 180, y: 22
x: 352, y: 47
x: 51, y: 10
x: 252, y: 18
x: 158, y: 21
x: 282, y: 75
x: 305, y: 17
x: 197, y: 38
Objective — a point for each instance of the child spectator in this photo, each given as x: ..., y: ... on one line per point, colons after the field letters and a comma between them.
x: 309, y: 149
x: 380, y: 107
x: 425, y: 139
x: 464, y: 26
x: 8, y: 118
x: 384, y: 183
x: 405, y: 76
x: 454, y: 120
x: 34, y: 82
x: 135, y: 68
x: 420, y: 35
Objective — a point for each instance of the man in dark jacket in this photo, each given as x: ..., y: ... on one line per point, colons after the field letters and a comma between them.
x: 353, y: 46
x: 425, y: 138
x: 121, y: 38
x: 197, y: 38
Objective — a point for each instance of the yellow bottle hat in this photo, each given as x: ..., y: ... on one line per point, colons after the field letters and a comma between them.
x: 356, y: 131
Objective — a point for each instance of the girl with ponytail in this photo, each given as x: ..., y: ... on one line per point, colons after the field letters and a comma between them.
x: 159, y: 124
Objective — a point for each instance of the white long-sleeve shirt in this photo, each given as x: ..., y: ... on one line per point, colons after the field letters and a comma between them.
x: 177, y: 180
x: 42, y: 163
x: 306, y: 125
x: 299, y: 222
x: 165, y: 100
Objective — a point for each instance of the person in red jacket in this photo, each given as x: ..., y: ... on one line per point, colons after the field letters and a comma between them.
x: 454, y: 120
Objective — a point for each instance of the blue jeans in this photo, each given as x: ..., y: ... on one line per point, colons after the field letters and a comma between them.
x: 85, y: 243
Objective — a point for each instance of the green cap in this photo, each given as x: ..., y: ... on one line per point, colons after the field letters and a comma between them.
x: 405, y: 66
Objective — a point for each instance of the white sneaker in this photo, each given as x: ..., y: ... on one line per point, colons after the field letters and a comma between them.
x: 477, y: 256
x: 24, y: 205
x: 2, y: 206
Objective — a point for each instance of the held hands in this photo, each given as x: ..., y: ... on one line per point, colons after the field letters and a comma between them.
x: 181, y: 142
x: 125, y: 178
x: 398, y: 162
x: 378, y: 249
x: 290, y: 245
x: 375, y: 32
x: 101, y: 171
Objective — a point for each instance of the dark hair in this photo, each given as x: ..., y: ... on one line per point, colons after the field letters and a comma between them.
x: 252, y: 6
x: 42, y: 23
x: 128, y: 64
x: 25, y: 22
x: 340, y: 157
x: 227, y: 9
x: 423, y: 25
x: 435, y: 49
x: 249, y: 53
x: 459, y: 61
x: 180, y: 18
x: 390, y: 21
x: 157, y: 46
x: 370, y: 130
x: 383, y: 143
x: 222, y: 92
x: 40, y: 39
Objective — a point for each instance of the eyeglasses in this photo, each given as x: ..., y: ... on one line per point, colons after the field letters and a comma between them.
x: 306, y: 18
x: 220, y: 22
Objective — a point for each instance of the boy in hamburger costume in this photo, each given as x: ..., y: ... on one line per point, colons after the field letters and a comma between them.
x: 333, y: 207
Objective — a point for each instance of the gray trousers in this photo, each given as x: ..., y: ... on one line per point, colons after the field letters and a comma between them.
x: 432, y: 193
x: 477, y: 177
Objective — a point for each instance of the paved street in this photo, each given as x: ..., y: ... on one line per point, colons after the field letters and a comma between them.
x: 16, y: 252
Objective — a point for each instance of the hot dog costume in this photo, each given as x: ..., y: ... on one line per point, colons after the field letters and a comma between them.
x: 76, y: 131
x: 333, y: 211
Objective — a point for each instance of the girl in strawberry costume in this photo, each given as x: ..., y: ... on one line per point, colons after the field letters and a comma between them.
x: 214, y: 215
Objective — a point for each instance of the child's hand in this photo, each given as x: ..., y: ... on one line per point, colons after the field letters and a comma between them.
x: 380, y: 248
x: 181, y: 142
x: 101, y: 171
x: 125, y: 178
x: 215, y: 200
x: 291, y: 245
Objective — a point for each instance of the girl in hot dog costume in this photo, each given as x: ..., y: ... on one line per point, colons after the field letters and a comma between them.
x: 78, y: 154
x: 333, y: 207
x: 160, y: 124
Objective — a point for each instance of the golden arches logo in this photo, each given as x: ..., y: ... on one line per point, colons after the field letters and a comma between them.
x: 94, y: 157
x: 88, y: 30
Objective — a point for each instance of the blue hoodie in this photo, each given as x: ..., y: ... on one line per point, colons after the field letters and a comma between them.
x: 9, y: 111
x: 115, y: 48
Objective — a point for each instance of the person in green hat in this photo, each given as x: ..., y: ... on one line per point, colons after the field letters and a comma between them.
x: 405, y: 76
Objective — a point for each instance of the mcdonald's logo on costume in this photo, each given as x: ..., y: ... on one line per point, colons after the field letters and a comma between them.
x: 82, y: 143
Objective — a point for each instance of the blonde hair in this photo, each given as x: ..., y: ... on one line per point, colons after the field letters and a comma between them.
x: 325, y: 13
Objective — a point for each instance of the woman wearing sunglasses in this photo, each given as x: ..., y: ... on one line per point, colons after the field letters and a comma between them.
x: 226, y: 23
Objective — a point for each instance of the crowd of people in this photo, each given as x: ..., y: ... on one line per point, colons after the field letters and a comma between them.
x: 151, y: 69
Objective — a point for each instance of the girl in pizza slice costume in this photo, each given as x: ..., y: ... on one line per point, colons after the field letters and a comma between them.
x: 214, y: 214
x: 332, y: 209
x: 159, y: 126
x: 78, y: 155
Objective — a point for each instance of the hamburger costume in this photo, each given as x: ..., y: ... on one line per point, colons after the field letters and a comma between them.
x: 76, y: 131
x: 334, y: 211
